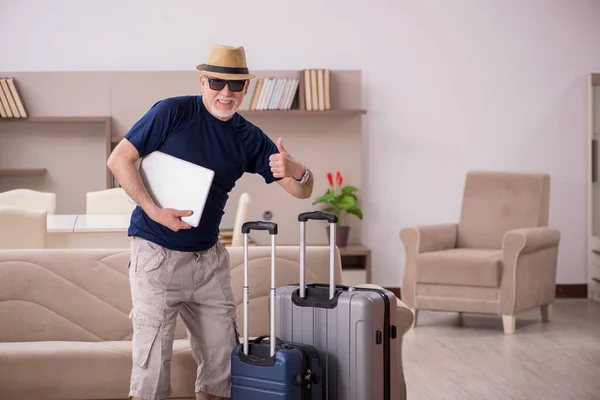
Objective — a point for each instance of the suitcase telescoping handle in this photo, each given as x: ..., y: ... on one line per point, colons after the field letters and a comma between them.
x: 271, y: 227
x: 320, y: 216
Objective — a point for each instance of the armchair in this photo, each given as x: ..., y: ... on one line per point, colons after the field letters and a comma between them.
x: 500, y: 258
x: 29, y: 199
x: 108, y: 201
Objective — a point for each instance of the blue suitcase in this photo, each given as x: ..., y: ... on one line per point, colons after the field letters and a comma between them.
x: 267, y: 368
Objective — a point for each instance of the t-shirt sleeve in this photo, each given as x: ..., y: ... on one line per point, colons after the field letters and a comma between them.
x: 150, y: 132
x: 261, y: 148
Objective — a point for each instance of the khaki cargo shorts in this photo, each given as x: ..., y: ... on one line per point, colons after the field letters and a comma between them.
x: 196, y: 286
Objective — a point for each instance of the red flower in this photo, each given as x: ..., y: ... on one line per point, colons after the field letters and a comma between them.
x: 338, y: 179
x: 330, y: 179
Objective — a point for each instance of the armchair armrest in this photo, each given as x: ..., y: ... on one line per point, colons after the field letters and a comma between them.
x: 529, y: 258
x: 423, y: 239
x: 529, y: 240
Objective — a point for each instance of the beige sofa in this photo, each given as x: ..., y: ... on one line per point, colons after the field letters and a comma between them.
x: 64, y: 326
x: 499, y: 258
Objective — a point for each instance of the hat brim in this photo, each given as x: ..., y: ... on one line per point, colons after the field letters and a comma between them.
x: 221, y: 75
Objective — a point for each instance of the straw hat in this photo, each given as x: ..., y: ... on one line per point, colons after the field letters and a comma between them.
x: 226, y: 62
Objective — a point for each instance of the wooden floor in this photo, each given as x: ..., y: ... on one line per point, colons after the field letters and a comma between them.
x: 446, y: 358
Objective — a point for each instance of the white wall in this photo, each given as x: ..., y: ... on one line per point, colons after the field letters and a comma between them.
x: 449, y: 86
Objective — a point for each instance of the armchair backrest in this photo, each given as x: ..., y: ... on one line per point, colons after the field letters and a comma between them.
x: 29, y: 199
x: 108, y: 201
x: 22, y: 228
x: 495, y: 202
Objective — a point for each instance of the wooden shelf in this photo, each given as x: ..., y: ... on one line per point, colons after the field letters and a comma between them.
x: 22, y: 171
x: 303, y: 113
x: 60, y: 119
x: 103, y: 119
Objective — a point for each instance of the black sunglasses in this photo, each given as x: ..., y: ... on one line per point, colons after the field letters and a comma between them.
x: 219, y: 84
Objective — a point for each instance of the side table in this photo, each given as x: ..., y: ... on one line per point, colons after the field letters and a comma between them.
x: 355, y: 258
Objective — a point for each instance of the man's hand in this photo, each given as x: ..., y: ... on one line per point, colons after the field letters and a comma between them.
x: 170, y: 218
x: 283, y: 165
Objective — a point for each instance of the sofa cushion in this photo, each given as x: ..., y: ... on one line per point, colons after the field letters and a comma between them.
x: 82, y: 370
x: 463, y: 267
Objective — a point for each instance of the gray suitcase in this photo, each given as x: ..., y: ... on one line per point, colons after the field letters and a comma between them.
x: 354, y: 329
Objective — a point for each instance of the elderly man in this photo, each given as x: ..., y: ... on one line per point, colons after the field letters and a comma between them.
x: 176, y: 269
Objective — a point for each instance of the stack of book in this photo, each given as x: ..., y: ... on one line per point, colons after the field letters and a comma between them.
x: 273, y: 93
x: 11, y: 105
x: 317, y: 89
x: 310, y: 91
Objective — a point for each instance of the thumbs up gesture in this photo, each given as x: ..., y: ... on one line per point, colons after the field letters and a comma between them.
x: 283, y: 164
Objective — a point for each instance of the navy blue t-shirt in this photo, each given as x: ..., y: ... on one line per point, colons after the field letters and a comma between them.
x: 182, y: 127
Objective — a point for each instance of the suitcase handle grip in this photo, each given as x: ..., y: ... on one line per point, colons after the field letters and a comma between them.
x: 262, y: 338
x: 318, y: 215
x: 272, y: 228
x: 317, y: 296
x: 259, y: 226
x: 323, y: 216
x: 344, y: 288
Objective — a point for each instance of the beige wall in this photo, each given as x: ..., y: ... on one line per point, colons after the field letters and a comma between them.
x: 72, y: 153
x: 323, y: 143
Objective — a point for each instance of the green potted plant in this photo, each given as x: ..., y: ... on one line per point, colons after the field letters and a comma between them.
x: 341, y: 201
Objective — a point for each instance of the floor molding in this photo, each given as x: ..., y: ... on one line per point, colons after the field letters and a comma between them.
x: 573, y: 291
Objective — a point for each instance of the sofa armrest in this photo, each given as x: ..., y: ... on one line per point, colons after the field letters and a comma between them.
x: 423, y: 239
x: 529, y: 257
x: 405, y: 318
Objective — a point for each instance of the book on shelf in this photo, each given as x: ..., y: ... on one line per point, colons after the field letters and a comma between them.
x: 271, y: 93
x: 311, y: 91
x: 11, y: 103
x: 317, y: 89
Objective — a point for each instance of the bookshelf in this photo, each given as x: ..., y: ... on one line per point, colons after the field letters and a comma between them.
x: 79, y: 116
x: 66, y: 119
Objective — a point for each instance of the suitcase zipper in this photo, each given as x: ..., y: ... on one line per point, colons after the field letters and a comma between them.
x: 306, y: 370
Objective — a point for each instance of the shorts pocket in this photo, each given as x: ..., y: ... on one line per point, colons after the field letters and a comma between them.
x: 151, y: 260
x: 145, y: 332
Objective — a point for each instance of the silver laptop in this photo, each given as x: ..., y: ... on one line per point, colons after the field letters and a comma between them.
x: 176, y: 183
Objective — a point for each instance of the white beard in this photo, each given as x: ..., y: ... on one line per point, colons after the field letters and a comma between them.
x: 223, y: 113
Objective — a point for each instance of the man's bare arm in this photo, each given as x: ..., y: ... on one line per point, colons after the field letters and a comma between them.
x: 122, y: 164
x: 296, y: 189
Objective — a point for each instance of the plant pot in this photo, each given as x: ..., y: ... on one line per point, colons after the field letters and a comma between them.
x: 341, y: 235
